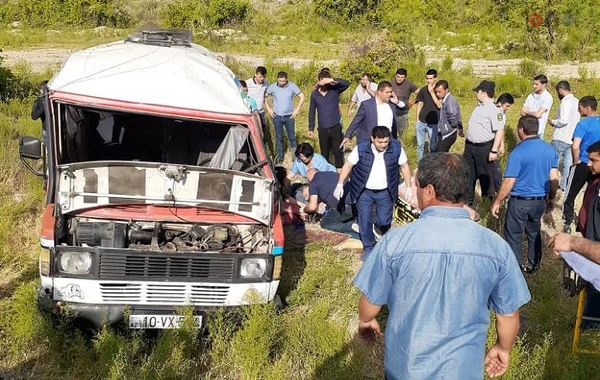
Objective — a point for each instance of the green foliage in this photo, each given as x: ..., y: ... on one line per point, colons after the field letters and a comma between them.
x: 344, y: 10
x: 195, y: 14
x: 529, y: 68
x: 56, y: 13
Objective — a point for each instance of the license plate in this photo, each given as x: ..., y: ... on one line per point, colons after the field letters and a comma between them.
x: 160, y: 321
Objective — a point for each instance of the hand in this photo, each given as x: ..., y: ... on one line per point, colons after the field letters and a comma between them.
x: 500, y: 150
x: 339, y: 191
x: 461, y: 133
x: 293, y: 116
x: 561, y: 242
x: 492, y: 156
x: 325, y: 81
x: 394, y: 98
x: 367, y: 331
x: 496, y: 361
x: 310, y: 134
x: 271, y: 113
x: 349, y: 114
x: 495, y: 209
x: 344, y: 142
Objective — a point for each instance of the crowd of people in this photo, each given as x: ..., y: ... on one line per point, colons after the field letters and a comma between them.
x: 420, y: 270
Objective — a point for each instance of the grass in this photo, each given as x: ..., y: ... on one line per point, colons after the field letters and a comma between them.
x: 311, y: 337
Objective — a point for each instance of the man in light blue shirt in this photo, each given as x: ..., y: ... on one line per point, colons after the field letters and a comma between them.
x: 283, y: 112
x: 439, y: 276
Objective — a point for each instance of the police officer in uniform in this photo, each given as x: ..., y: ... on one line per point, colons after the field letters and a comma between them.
x: 484, y: 136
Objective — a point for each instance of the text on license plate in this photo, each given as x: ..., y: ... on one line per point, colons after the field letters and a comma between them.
x: 160, y: 321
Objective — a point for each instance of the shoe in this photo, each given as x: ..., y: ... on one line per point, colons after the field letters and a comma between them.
x: 355, y: 228
x: 567, y: 228
x: 528, y: 268
x: 377, y: 232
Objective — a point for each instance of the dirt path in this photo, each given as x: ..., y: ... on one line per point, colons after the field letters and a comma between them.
x: 41, y: 59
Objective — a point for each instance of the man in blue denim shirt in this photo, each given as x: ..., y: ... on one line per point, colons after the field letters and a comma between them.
x: 439, y: 275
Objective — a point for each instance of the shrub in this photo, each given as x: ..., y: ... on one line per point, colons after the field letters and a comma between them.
x: 344, y: 10
x: 193, y: 14
x: 222, y: 12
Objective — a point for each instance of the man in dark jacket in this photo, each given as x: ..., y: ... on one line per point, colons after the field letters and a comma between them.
x: 325, y: 101
x: 38, y: 111
x: 450, y: 123
x: 377, y: 111
x: 374, y: 166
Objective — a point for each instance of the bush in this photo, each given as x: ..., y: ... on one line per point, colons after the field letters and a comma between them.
x: 344, y: 10
x: 193, y: 14
x: 56, y: 13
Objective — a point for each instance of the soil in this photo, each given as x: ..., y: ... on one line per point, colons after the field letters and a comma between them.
x: 41, y: 59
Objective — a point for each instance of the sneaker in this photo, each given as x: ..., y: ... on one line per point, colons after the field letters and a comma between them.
x: 355, y: 228
x: 377, y: 232
x: 528, y: 268
x: 567, y: 228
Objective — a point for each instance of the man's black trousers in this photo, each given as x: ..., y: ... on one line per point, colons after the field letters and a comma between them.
x: 579, y: 175
x: 476, y: 157
x: 329, y: 142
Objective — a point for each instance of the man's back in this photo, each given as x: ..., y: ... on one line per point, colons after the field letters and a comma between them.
x: 438, y: 275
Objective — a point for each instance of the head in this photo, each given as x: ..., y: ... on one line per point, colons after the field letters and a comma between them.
x: 504, y: 101
x: 441, y: 88
x: 260, y: 74
x: 322, y: 75
x: 305, y: 152
x: 282, y: 78
x: 594, y: 158
x: 539, y: 83
x: 244, y: 86
x: 588, y: 105
x: 527, y: 126
x: 441, y: 179
x: 380, y: 137
x: 384, y: 91
x: 485, y: 91
x: 401, y: 75
x: 310, y: 174
x: 43, y: 84
x: 430, y: 76
x: 563, y: 88
x: 365, y: 79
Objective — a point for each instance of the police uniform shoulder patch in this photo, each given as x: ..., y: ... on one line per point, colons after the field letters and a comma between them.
x: 500, y: 116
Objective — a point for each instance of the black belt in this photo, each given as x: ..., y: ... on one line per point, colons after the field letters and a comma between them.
x: 479, y: 144
x: 528, y: 198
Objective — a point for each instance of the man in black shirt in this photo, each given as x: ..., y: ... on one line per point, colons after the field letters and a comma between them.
x: 338, y: 215
x: 428, y: 114
x: 38, y: 111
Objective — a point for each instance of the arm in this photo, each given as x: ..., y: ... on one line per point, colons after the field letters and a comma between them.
x: 312, y: 109
x: 358, y: 120
x: 313, y: 204
x: 367, y: 323
x: 345, y: 172
x: 453, y: 113
x: 567, y: 243
x: 297, y: 110
x: 575, y: 150
x: 406, y: 174
x: 505, y: 189
x: 538, y: 114
x: 419, y: 107
x: 553, y: 189
x: 267, y: 105
x: 38, y: 109
x: 562, y: 119
x: 340, y: 85
x: 498, y: 138
x: 350, y: 108
x: 497, y: 358
x: 371, y: 92
x: 438, y: 103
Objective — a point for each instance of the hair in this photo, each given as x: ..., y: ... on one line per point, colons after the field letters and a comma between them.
x: 506, y: 98
x: 366, y: 75
x: 432, y: 72
x: 43, y: 83
x: 563, y: 84
x: 529, y: 124
x: 441, y: 83
x: 402, y: 71
x: 594, y: 148
x: 261, y: 70
x: 282, y: 74
x: 243, y: 84
x: 589, y: 101
x: 383, y: 85
x: 447, y: 173
x: 324, y: 74
x: 305, y: 149
x: 381, y: 132
x: 490, y: 93
x: 542, y: 78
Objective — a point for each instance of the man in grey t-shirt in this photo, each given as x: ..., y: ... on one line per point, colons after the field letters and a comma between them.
x: 402, y: 89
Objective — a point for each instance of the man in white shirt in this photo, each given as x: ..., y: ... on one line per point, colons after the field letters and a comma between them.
x: 257, y: 85
x: 538, y: 103
x: 375, y: 181
x: 365, y: 90
x: 564, y: 125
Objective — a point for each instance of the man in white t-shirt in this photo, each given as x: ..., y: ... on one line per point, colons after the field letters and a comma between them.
x: 365, y: 90
x: 257, y: 85
x: 564, y: 125
x: 538, y: 103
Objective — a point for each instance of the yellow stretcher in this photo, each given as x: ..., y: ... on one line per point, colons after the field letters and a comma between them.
x: 578, y: 287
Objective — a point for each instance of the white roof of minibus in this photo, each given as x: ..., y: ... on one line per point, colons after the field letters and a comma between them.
x: 188, y: 77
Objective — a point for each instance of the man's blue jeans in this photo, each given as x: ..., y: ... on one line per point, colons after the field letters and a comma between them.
x: 525, y: 215
x: 278, y: 123
x: 382, y: 201
x: 423, y: 129
x: 564, y: 151
x: 334, y: 220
